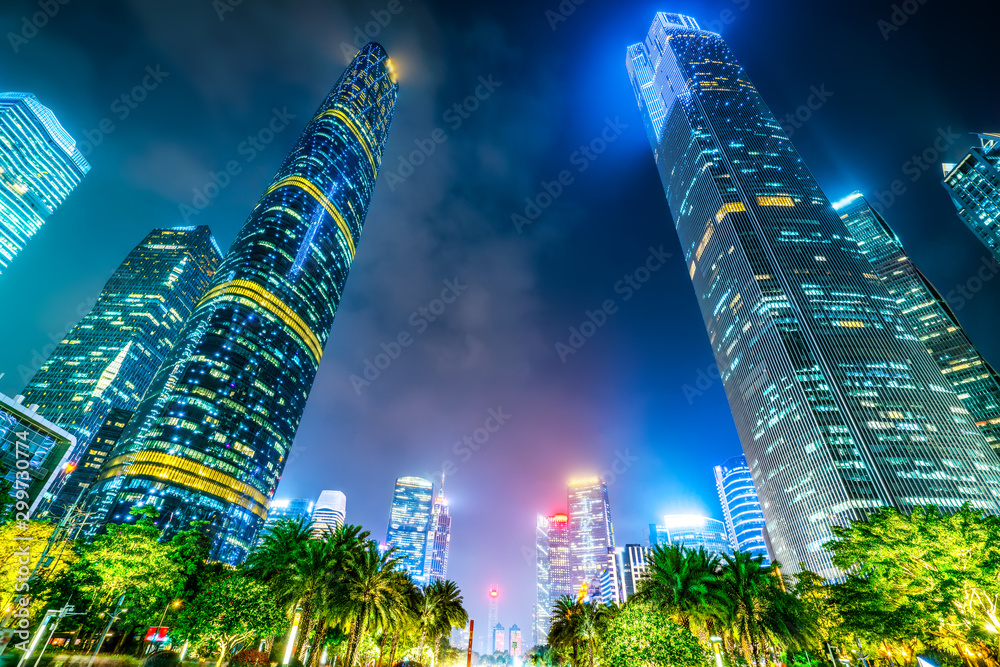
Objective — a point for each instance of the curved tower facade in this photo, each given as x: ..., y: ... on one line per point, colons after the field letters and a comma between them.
x: 839, y: 408
x: 212, y: 435
x: 741, y: 507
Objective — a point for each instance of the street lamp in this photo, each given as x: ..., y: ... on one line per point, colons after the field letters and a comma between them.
x: 114, y: 617
x: 717, y: 646
x: 291, y: 636
x: 38, y: 633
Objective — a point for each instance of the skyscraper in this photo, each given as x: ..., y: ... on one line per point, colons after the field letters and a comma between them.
x: 691, y: 531
x: 634, y: 567
x: 39, y: 166
x: 925, y: 310
x: 541, y: 616
x: 516, y: 646
x: 438, y: 539
x: 409, y: 523
x: 329, y: 512
x: 974, y: 186
x: 494, y: 617
x: 839, y: 409
x: 286, y: 508
x: 499, y: 638
x: 590, y: 532
x: 213, y: 433
x: 741, y: 507
x: 30, y: 444
x: 109, y: 358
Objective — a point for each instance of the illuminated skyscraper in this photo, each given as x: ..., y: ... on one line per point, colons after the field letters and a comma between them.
x: 108, y: 360
x: 839, y: 409
x: 494, y: 618
x: 215, y: 429
x: 516, y: 645
x: 438, y: 540
x: 974, y: 186
x: 499, y: 638
x: 39, y: 166
x: 692, y: 531
x: 329, y: 512
x: 741, y: 507
x: 591, y: 538
x: 552, y: 571
x: 409, y: 523
x: 928, y: 314
x: 286, y: 508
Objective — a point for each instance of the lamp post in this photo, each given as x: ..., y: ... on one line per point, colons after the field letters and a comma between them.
x: 38, y: 633
x: 175, y: 603
x: 290, y: 645
x: 717, y: 646
x: 114, y: 617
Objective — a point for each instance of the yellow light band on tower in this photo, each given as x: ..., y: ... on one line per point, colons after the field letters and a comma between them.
x: 775, y: 200
x: 314, y: 192
x: 731, y: 207
x: 355, y: 130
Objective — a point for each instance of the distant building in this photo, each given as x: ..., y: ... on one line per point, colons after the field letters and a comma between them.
x: 590, y: 530
x: 634, y: 567
x: 286, y: 508
x: 409, y: 521
x: 516, y: 647
x: 974, y: 186
x: 438, y: 540
x: 741, y: 507
x: 29, y: 443
x: 499, y: 638
x: 494, y: 618
x: 552, y: 571
x: 329, y: 512
x: 40, y: 166
x: 691, y: 531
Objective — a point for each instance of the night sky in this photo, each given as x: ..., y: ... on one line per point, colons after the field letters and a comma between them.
x: 550, y: 91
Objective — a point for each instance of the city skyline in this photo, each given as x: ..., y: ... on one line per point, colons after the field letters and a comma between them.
x: 619, y: 403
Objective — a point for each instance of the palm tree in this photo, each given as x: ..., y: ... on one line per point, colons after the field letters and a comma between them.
x: 564, y: 633
x: 590, y: 625
x: 749, y: 586
x: 448, y: 610
x: 368, y: 592
x: 684, y: 583
x: 278, y: 548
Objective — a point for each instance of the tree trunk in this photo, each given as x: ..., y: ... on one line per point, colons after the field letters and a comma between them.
x: 305, y: 630
x: 358, y: 628
x: 320, y: 642
x: 590, y: 650
x: 420, y: 649
x: 222, y: 653
x: 392, y: 651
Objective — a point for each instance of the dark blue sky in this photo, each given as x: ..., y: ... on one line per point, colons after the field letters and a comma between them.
x: 621, y: 395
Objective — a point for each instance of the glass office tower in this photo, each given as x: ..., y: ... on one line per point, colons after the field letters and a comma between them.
x: 329, y: 513
x: 39, y: 166
x: 409, y: 523
x: 839, y: 409
x: 213, y: 433
x: 552, y: 571
x: 591, y: 537
x: 691, y: 531
x: 741, y: 507
x: 108, y: 360
x: 974, y: 186
x: 928, y: 314
x: 438, y: 539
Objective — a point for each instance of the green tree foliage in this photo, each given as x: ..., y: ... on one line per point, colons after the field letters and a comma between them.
x: 643, y: 636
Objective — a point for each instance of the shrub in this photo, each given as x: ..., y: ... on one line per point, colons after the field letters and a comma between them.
x: 641, y: 635
x: 162, y: 659
x: 250, y: 658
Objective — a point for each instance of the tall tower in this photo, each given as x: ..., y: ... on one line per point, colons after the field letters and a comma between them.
x: 838, y: 408
x: 329, y: 512
x: 928, y: 314
x: 108, y: 360
x: 39, y: 166
x: 741, y: 507
x: 213, y: 433
x: 591, y: 538
x: 409, y: 523
x: 974, y: 186
x: 494, y: 618
x: 438, y: 539
x: 542, y: 614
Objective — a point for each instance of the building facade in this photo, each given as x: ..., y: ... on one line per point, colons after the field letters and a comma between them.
x: 591, y: 537
x: 928, y: 314
x: 32, y: 451
x: 691, y: 531
x: 409, y: 523
x: 438, y: 540
x: 329, y: 512
x: 974, y: 186
x: 541, y: 617
x: 516, y: 647
x: 633, y: 568
x: 212, y: 435
x: 839, y: 409
x: 108, y: 360
x: 499, y: 638
x: 741, y: 507
x: 40, y: 166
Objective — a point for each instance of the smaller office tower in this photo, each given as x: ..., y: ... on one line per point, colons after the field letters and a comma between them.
x: 40, y: 166
x: 32, y: 444
x: 409, y: 521
x: 741, y: 507
x: 691, y: 531
x: 499, y: 638
x: 329, y: 512
x: 974, y: 185
x: 515, y: 642
x: 633, y: 567
x: 281, y: 509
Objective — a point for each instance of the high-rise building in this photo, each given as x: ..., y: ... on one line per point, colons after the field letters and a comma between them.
x: 928, y: 314
x: 438, y: 539
x: 214, y: 431
x: 839, y: 409
x: 70, y: 488
x: 541, y: 616
x: 591, y: 535
x: 282, y: 509
x: 30, y: 444
x: 494, y: 617
x: 634, y: 567
x: 691, y: 531
x: 329, y: 512
x: 741, y: 507
x: 39, y: 166
x: 409, y: 523
x: 516, y: 647
x: 499, y: 638
x: 974, y: 186
x: 108, y: 360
